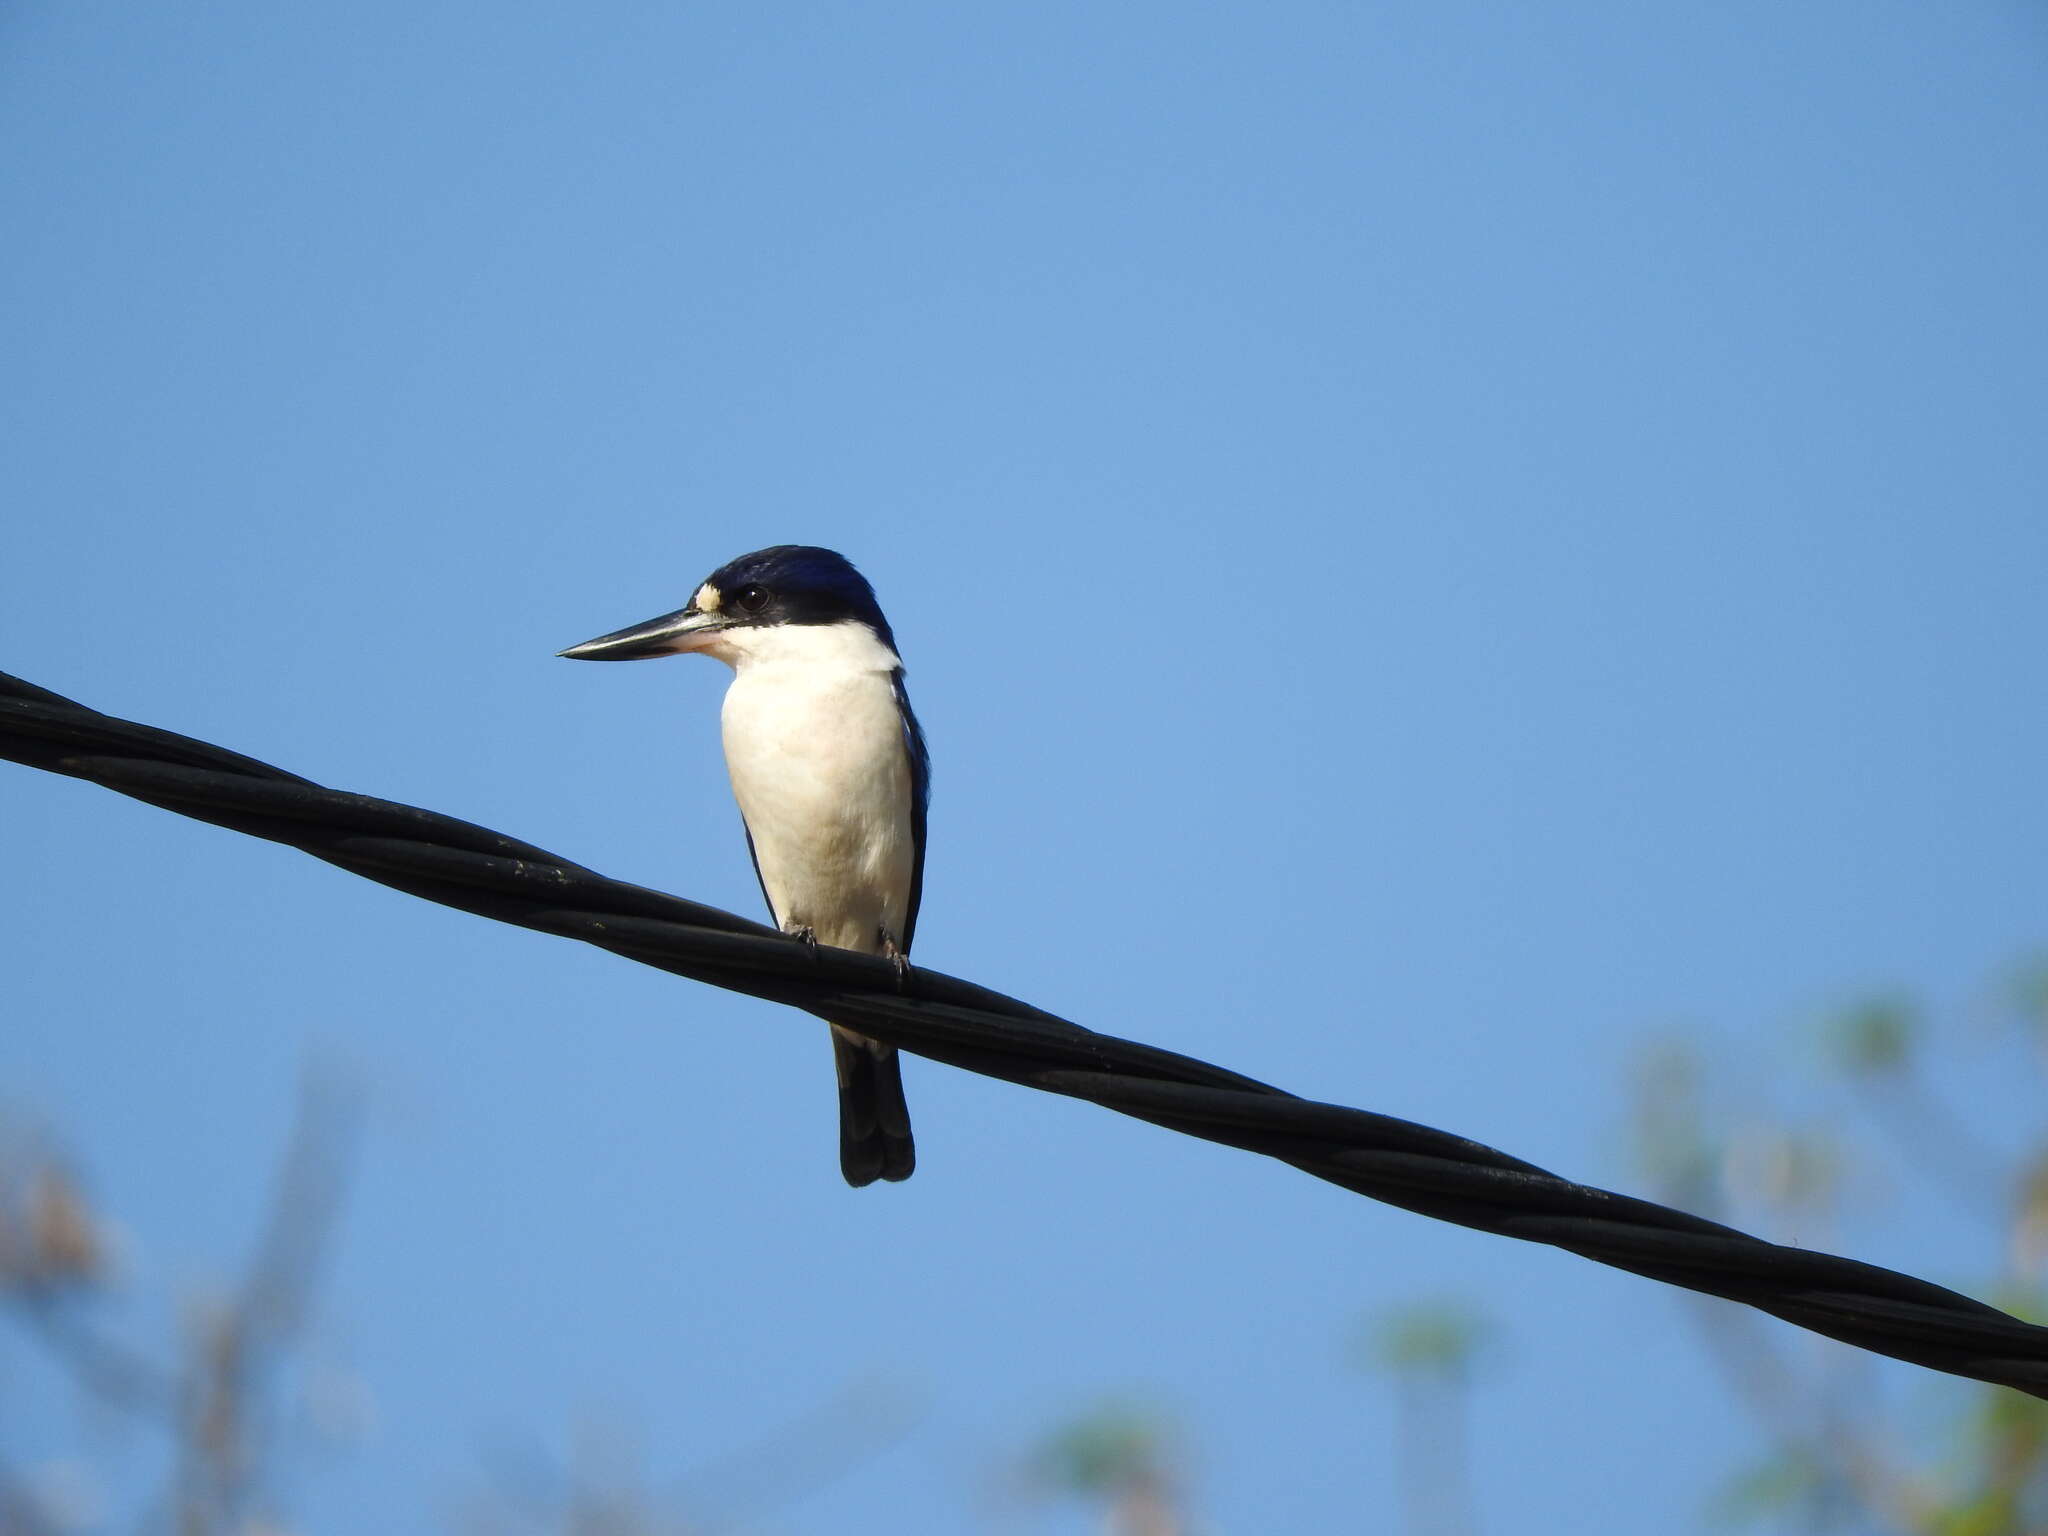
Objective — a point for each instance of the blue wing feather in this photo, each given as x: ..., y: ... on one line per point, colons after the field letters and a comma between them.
x: 920, y: 797
x: 759, y: 878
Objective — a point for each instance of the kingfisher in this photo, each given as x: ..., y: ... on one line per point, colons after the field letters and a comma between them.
x: 832, y: 777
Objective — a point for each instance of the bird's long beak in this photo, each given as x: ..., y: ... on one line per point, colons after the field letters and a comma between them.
x: 686, y: 629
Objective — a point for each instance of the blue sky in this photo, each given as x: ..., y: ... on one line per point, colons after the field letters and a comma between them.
x: 1432, y: 541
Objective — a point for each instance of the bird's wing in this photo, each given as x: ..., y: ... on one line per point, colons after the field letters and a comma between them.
x: 920, y: 797
x: 759, y: 879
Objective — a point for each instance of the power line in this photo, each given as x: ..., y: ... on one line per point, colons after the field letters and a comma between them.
x: 1420, y: 1169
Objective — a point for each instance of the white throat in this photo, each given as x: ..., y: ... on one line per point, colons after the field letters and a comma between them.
x: 848, y: 646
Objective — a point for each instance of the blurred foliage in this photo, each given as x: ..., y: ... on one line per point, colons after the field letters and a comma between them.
x: 1875, y: 1035
x: 1839, y: 1456
x: 1437, y: 1338
x: 1119, y: 1456
x: 2028, y: 996
x: 1786, y: 1478
x: 1103, y: 1450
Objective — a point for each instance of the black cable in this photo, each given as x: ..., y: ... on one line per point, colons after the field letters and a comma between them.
x: 1412, y: 1166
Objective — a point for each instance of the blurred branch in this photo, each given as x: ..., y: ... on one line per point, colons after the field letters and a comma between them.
x: 53, y: 1261
x: 593, y: 1496
x: 110, y: 1371
x: 863, y: 1420
x: 1877, y: 1044
x: 22, y: 1510
x: 1832, y: 1450
x: 1684, y: 1160
x: 226, y: 1406
x: 1431, y: 1349
x: 216, y: 1403
x: 1838, y: 1454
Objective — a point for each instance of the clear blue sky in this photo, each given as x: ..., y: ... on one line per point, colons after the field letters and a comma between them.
x: 1432, y: 541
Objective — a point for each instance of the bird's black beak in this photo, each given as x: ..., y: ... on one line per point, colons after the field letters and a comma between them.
x: 687, y: 629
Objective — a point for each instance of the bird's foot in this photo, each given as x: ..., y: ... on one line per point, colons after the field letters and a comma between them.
x: 896, y: 957
x: 804, y: 934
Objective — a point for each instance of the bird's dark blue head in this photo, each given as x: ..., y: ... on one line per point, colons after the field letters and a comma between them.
x: 788, y: 584
x: 793, y: 584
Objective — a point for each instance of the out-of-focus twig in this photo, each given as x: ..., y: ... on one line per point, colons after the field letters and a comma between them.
x: 215, y: 1401
x: 1432, y: 1349
x: 1834, y: 1452
x: 226, y: 1414
x: 1878, y: 1045
x: 591, y: 1496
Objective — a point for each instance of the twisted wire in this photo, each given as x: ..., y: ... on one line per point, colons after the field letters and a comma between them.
x: 1415, y: 1167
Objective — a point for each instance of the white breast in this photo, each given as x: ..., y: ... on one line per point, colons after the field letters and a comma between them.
x: 814, y: 744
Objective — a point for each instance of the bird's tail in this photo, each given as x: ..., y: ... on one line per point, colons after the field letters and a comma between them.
x: 874, y: 1122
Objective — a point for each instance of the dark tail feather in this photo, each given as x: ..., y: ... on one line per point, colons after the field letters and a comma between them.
x: 874, y: 1122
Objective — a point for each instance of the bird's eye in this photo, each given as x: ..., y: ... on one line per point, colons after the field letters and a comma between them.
x: 750, y: 599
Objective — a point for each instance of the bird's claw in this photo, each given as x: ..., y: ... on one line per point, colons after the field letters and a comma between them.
x: 896, y: 958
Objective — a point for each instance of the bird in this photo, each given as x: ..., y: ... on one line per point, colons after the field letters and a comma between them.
x: 833, y: 778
